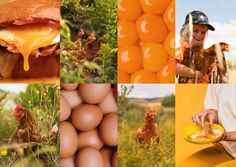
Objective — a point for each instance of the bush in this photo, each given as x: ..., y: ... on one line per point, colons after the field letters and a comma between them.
x: 168, y: 101
x: 90, y: 15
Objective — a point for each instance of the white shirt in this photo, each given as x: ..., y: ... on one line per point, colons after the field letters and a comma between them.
x: 222, y: 97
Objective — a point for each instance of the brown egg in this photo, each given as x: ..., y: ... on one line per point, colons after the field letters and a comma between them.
x: 70, y: 86
x: 89, y: 157
x: 106, y: 155
x: 108, y: 105
x: 68, y: 140
x: 114, y: 160
x: 108, y: 130
x: 67, y: 162
x: 72, y: 97
x: 65, y: 109
x: 94, y: 93
x: 89, y: 138
x: 86, y: 117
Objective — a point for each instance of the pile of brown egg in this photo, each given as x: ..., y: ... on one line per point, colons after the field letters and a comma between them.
x: 89, y: 125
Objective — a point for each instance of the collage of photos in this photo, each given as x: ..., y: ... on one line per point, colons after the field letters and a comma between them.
x: 117, y: 83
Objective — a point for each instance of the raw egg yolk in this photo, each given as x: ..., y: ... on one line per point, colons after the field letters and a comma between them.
x: 169, y: 44
x: 167, y: 73
x: 123, y: 77
x: 127, y: 33
x: 144, y: 76
x: 154, y: 6
x: 169, y: 16
x: 151, y: 28
x: 130, y: 58
x: 154, y: 56
x: 129, y: 10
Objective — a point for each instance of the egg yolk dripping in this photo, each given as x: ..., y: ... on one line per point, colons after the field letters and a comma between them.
x: 28, y: 38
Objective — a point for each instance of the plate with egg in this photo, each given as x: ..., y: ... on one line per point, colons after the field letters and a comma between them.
x: 203, y: 134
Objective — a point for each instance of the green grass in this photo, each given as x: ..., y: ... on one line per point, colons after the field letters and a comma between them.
x: 43, y: 101
x: 133, y: 154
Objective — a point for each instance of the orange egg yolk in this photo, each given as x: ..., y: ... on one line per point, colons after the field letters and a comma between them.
x: 130, y: 59
x: 127, y: 33
x: 154, y: 56
x: 151, y: 28
x: 129, y: 10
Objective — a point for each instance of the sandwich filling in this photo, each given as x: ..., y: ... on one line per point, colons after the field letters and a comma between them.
x: 28, y: 38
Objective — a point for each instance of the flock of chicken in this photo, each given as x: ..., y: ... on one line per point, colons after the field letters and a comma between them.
x: 86, y: 47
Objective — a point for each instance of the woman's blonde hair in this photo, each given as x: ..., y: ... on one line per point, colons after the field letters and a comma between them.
x: 185, y: 34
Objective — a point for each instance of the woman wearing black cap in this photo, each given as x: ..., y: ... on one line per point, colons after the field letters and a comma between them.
x: 192, y: 34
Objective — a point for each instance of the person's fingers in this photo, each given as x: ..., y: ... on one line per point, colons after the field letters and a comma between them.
x: 198, y: 119
x: 193, y: 118
x: 202, y: 118
x: 211, y: 119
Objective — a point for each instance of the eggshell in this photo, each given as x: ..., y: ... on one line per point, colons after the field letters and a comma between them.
x: 65, y: 109
x: 109, y: 105
x: 70, y: 86
x: 68, y: 140
x: 72, y: 97
x: 86, y: 117
x: 89, y: 138
x: 94, y: 93
x: 114, y: 160
x: 67, y: 162
x: 108, y: 130
x: 89, y: 157
x: 106, y: 155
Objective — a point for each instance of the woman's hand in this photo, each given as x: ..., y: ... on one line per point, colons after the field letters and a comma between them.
x: 206, y: 115
x: 230, y: 136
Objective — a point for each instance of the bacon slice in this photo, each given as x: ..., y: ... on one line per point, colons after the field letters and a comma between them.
x: 20, y: 12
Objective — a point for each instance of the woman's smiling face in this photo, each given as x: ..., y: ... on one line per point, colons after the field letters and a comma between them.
x: 199, y: 34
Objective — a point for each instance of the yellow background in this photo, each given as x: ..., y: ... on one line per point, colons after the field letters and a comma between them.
x: 190, y: 101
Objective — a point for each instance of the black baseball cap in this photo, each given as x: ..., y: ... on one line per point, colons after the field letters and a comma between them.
x: 199, y: 18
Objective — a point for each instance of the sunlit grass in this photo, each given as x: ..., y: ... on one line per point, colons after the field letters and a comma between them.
x: 132, y: 154
x: 43, y: 100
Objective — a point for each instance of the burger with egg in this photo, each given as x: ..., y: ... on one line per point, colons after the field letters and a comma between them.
x: 29, y: 39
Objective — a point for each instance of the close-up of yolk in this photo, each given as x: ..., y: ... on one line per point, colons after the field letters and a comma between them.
x: 169, y: 16
x: 130, y: 58
x: 169, y: 44
x: 154, y: 6
x: 144, y: 76
x: 127, y: 33
x: 146, y: 41
x: 167, y: 73
x: 123, y: 77
x: 129, y: 10
x: 151, y: 28
x: 154, y: 56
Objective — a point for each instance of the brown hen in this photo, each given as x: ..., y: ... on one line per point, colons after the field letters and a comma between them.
x: 207, y: 61
x: 148, y: 134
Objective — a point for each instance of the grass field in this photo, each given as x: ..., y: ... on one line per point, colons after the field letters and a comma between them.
x: 132, y: 154
x: 43, y: 101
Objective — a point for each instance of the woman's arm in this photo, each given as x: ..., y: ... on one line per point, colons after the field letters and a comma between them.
x: 185, y: 71
x: 230, y: 136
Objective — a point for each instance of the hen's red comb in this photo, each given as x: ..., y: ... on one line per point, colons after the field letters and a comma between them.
x: 18, y: 107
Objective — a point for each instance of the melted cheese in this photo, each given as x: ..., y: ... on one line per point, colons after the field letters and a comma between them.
x: 28, y: 38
